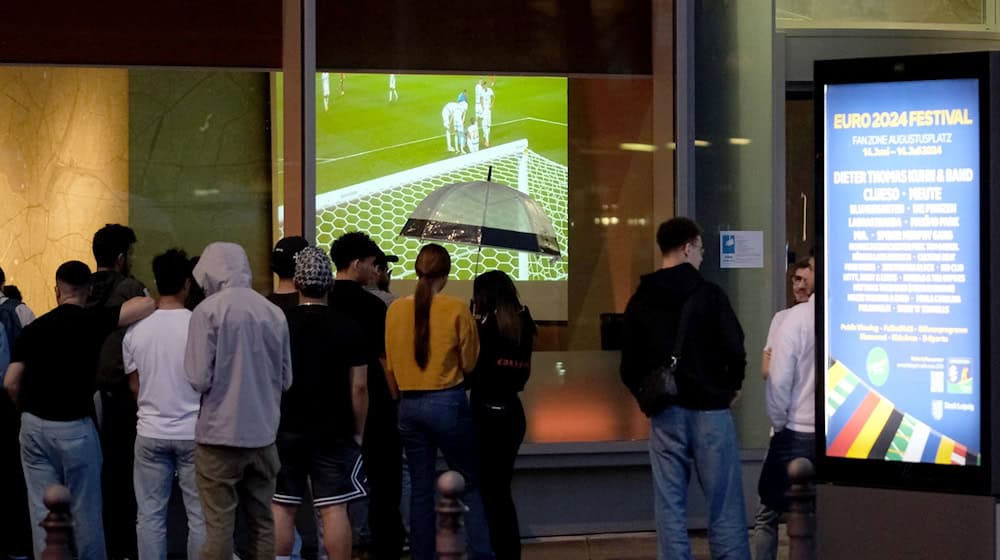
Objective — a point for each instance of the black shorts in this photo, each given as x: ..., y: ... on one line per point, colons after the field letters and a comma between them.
x: 333, y: 466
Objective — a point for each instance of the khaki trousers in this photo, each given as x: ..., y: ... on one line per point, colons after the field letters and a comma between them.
x: 228, y: 477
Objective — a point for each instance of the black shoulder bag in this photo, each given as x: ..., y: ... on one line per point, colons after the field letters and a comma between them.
x: 660, y: 385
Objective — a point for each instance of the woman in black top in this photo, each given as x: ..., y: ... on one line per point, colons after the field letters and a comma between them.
x: 506, y: 336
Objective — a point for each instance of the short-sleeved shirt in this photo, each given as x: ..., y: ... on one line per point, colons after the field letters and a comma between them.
x: 59, y: 351
x: 368, y: 311
x: 285, y: 301
x: 155, y: 346
x: 325, y: 346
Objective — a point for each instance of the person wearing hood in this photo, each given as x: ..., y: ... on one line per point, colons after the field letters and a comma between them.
x: 694, y: 429
x: 238, y: 357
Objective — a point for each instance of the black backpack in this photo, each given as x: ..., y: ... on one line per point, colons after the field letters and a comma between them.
x: 9, y: 319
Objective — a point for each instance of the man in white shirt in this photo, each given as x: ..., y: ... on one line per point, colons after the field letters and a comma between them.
x: 447, y: 114
x: 802, y: 288
x: 790, y: 390
x: 480, y: 91
x: 458, y: 119
x: 473, y: 136
x: 153, y: 352
x: 486, y: 116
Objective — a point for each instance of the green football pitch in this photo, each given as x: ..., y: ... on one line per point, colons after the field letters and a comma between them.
x: 360, y: 135
x: 376, y: 160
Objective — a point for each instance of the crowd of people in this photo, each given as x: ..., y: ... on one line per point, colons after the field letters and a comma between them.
x: 326, y: 389
x: 334, y: 390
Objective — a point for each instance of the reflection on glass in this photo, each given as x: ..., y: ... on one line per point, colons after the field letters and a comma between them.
x: 180, y: 156
x: 968, y: 12
x: 578, y: 397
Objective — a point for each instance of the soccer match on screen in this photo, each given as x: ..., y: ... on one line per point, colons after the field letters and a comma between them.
x: 386, y: 142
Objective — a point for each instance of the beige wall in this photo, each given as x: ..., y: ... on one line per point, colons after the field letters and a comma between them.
x: 63, y: 170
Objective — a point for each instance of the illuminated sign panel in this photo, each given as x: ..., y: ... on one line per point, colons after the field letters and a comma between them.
x: 902, y: 294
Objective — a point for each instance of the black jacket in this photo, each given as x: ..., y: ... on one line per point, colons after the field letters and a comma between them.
x: 109, y: 289
x: 713, y: 360
x: 503, y: 367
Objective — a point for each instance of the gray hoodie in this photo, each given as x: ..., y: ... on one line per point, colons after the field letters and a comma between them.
x: 238, y: 355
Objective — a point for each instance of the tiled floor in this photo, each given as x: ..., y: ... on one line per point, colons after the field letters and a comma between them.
x: 624, y: 546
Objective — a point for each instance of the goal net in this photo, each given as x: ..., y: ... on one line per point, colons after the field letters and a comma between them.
x: 380, y: 208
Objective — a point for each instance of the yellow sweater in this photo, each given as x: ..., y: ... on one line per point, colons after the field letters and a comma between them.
x: 454, y: 344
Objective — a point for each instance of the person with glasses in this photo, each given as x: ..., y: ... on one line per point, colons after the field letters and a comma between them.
x: 691, y: 431
x: 379, y: 283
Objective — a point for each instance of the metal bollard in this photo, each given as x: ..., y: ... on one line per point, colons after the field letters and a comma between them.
x: 801, y: 510
x: 449, y: 542
x: 58, y: 524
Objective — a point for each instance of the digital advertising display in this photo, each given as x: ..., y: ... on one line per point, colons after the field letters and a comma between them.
x: 901, y: 289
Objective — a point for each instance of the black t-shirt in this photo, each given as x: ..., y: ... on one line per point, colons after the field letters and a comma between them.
x: 352, y: 299
x: 60, y: 352
x: 285, y: 301
x: 325, y: 346
x: 503, y: 366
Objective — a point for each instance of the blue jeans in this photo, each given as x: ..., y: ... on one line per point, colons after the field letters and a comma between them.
x: 67, y: 453
x: 156, y: 461
x: 785, y: 446
x: 680, y: 439
x: 428, y: 421
x: 764, y: 538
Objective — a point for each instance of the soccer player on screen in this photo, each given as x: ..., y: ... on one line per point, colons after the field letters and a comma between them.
x: 480, y: 90
x: 473, y: 136
x: 447, y: 114
x: 393, y: 96
x: 486, y: 119
x: 324, y: 79
x: 458, y: 119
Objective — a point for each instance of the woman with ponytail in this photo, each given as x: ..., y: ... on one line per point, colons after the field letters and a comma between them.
x: 430, y: 344
x: 506, y: 338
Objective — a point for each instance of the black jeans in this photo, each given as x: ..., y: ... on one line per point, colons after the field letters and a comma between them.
x: 500, y: 427
x: 118, y: 447
x: 382, y: 450
x: 15, y: 524
x: 785, y: 446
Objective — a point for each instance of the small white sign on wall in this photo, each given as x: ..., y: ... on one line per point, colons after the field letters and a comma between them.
x: 741, y: 249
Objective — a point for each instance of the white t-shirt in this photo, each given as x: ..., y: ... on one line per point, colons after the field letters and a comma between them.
x: 155, y: 346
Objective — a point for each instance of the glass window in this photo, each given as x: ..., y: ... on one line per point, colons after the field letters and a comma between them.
x: 182, y: 157
x: 565, y: 128
x: 879, y: 13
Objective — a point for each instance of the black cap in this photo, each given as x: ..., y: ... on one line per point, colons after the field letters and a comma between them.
x: 283, y: 255
x: 382, y: 260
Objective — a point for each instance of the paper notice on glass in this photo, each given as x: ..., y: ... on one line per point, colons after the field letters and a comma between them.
x: 741, y: 249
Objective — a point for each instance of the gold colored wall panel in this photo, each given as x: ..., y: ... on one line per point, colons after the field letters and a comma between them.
x: 63, y: 170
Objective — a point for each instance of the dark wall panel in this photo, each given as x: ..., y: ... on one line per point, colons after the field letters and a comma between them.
x: 223, y: 33
x: 540, y: 36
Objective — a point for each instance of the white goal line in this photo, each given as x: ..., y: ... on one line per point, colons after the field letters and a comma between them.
x: 387, y: 182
